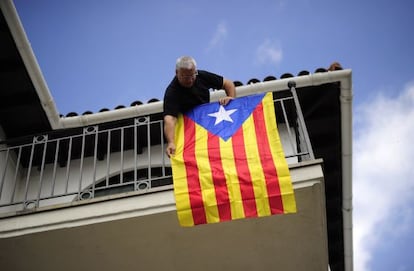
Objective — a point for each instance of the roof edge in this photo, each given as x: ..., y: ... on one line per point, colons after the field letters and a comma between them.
x: 244, y: 90
x: 30, y: 61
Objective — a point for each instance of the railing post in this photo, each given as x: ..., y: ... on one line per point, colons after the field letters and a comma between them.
x: 29, y: 169
x: 292, y: 87
x: 44, y: 141
x: 3, y: 178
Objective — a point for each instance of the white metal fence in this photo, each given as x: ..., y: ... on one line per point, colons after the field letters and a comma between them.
x: 95, y: 161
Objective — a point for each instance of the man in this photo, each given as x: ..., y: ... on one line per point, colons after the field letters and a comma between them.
x: 189, y: 88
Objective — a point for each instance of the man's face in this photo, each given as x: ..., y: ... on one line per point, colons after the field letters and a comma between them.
x: 186, y: 77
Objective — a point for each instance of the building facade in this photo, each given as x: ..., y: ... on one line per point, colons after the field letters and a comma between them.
x: 94, y: 191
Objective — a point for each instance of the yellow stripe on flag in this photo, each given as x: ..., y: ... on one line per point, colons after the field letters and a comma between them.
x: 285, y: 182
x: 232, y: 180
x: 182, y: 198
x: 255, y: 168
x: 204, y: 171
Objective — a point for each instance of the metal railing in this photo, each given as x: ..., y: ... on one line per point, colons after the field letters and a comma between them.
x: 94, y: 161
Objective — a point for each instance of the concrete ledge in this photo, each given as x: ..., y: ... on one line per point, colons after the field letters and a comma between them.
x: 122, y: 206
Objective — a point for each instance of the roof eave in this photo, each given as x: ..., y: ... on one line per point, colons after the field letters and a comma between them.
x: 30, y: 62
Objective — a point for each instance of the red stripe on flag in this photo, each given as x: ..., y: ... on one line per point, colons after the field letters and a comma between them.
x: 219, y: 179
x: 193, y: 178
x: 243, y: 173
x: 269, y: 169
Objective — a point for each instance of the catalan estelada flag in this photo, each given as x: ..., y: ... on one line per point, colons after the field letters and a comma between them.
x: 229, y: 163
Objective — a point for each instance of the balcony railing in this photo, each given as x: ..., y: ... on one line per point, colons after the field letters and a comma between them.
x: 85, y: 163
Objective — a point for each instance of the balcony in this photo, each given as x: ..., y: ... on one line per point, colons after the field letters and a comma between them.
x: 82, y: 164
x: 80, y: 184
x: 110, y: 185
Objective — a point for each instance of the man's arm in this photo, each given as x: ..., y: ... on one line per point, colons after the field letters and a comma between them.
x: 230, y: 90
x: 169, y: 132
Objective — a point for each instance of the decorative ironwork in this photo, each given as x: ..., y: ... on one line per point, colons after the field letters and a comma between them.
x: 100, y: 160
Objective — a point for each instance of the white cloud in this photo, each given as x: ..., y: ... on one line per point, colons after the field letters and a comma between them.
x: 220, y: 34
x: 269, y: 53
x: 383, y: 172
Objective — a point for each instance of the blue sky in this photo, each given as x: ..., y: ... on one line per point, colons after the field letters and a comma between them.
x: 101, y: 54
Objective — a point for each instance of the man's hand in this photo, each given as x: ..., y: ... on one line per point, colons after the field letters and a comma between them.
x: 169, y: 132
x: 230, y: 90
x: 170, y: 149
x: 225, y: 100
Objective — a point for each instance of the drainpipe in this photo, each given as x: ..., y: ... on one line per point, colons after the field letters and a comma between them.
x: 30, y: 62
x: 346, y: 122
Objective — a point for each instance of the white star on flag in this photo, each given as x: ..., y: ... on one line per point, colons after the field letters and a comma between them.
x: 222, y: 115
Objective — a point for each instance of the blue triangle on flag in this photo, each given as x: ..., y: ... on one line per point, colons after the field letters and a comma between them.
x: 224, y: 121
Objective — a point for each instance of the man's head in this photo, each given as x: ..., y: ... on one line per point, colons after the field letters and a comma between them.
x: 186, y: 71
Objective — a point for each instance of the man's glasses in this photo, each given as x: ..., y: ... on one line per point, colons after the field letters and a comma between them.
x: 186, y: 77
